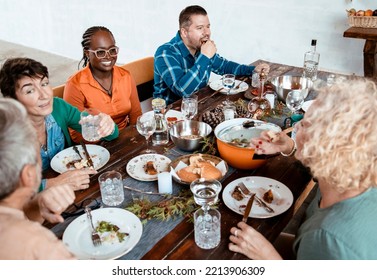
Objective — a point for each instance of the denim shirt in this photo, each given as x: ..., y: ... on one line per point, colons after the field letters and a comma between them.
x: 55, y: 143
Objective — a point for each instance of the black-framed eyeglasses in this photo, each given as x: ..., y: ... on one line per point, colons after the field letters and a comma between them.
x: 101, y: 53
x: 79, y: 209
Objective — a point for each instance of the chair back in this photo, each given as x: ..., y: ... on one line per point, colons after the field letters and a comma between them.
x: 142, y: 71
x: 58, y: 91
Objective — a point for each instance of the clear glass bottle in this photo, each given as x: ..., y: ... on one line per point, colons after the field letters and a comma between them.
x: 161, y: 134
x: 311, y: 60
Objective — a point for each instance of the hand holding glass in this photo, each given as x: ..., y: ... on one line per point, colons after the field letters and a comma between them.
x: 146, y: 126
x: 90, y: 123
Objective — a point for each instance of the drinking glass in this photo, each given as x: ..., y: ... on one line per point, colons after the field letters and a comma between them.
x: 295, y: 100
x: 228, y: 83
x: 111, y: 186
x: 189, y: 107
x: 146, y: 126
x: 90, y: 120
x: 206, y: 220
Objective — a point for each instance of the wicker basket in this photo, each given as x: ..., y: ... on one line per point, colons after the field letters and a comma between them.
x: 365, y: 21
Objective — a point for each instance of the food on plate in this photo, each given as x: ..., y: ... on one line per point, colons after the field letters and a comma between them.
x: 110, y: 232
x: 268, y: 196
x: 150, y: 168
x: 237, y: 194
x: 171, y: 120
x: 273, y: 135
x: 74, y: 163
x: 199, y: 168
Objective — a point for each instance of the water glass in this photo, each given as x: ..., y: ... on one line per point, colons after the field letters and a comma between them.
x: 90, y: 120
x: 229, y: 112
x: 189, y: 107
x: 207, y: 228
x: 111, y: 186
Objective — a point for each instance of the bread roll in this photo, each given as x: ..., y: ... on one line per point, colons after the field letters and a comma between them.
x: 189, y: 173
x: 208, y: 171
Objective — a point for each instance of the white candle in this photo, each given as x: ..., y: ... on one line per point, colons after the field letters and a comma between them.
x: 165, y: 183
x: 271, y: 98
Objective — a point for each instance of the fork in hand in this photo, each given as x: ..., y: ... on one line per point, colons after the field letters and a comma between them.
x: 96, y: 239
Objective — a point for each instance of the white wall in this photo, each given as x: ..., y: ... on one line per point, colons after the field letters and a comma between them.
x: 244, y: 30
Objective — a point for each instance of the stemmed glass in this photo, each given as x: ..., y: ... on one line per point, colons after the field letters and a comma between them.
x: 228, y: 83
x: 206, y: 220
x: 146, y: 126
x: 189, y: 107
x: 295, y: 100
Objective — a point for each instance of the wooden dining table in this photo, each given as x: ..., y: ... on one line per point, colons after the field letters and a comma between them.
x: 179, y: 243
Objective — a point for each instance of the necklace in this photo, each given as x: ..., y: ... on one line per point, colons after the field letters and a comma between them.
x: 108, y: 91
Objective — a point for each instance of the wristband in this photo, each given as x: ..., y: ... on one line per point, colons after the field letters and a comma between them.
x: 293, y: 150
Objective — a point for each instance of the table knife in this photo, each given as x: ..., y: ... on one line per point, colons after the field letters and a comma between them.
x: 248, y: 208
x: 87, y: 154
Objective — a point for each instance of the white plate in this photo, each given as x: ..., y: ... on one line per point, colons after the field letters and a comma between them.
x: 77, y: 236
x: 135, y: 167
x: 306, y: 105
x: 283, y: 197
x: 217, y: 84
x: 99, y: 155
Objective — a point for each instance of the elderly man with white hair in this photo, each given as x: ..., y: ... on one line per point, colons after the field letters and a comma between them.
x: 22, y: 208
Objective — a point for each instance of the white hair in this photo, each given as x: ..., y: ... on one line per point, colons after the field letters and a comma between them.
x: 17, y: 144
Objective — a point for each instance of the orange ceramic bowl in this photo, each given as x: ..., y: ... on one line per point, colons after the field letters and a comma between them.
x: 236, y: 156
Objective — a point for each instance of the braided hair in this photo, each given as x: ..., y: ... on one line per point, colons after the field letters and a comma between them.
x: 87, y: 38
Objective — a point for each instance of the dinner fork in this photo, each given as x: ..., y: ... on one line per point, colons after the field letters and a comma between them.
x: 96, y: 239
x: 247, y: 192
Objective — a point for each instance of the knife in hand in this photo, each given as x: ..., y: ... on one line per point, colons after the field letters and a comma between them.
x: 248, y: 208
x: 87, y: 154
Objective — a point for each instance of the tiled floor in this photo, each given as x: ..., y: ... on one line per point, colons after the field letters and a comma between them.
x: 59, y: 67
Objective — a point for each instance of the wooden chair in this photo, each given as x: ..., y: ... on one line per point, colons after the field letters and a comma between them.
x: 142, y: 70
x: 58, y: 91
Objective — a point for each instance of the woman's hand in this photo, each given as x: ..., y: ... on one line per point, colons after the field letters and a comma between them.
x: 78, y: 179
x: 251, y: 243
x: 53, y: 201
x: 106, y: 125
x: 271, y: 142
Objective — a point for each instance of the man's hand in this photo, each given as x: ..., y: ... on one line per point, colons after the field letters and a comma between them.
x: 53, y: 201
x: 208, y: 49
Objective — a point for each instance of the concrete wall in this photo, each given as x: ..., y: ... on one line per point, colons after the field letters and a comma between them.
x: 244, y: 30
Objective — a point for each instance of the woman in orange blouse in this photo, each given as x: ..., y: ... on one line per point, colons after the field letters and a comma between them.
x: 101, y: 84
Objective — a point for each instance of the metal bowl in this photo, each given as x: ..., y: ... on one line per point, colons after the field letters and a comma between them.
x: 188, y: 135
x: 284, y: 84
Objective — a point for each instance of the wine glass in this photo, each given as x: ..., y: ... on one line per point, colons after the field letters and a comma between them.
x: 294, y: 102
x: 228, y: 83
x: 146, y: 126
x: 189, y: 107
x: 206, y: 220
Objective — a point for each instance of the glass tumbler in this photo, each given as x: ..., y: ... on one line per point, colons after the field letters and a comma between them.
x: 90, y: 120
x: 207, y: 228
x: 111, y: 186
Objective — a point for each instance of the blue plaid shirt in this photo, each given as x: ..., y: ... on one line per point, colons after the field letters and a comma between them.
x: 177, y: 73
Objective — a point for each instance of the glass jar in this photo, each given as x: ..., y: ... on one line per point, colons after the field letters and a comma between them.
x: 161, y: 134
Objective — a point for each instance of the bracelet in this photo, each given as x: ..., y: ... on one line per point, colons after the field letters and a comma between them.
x: 293, y: 150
